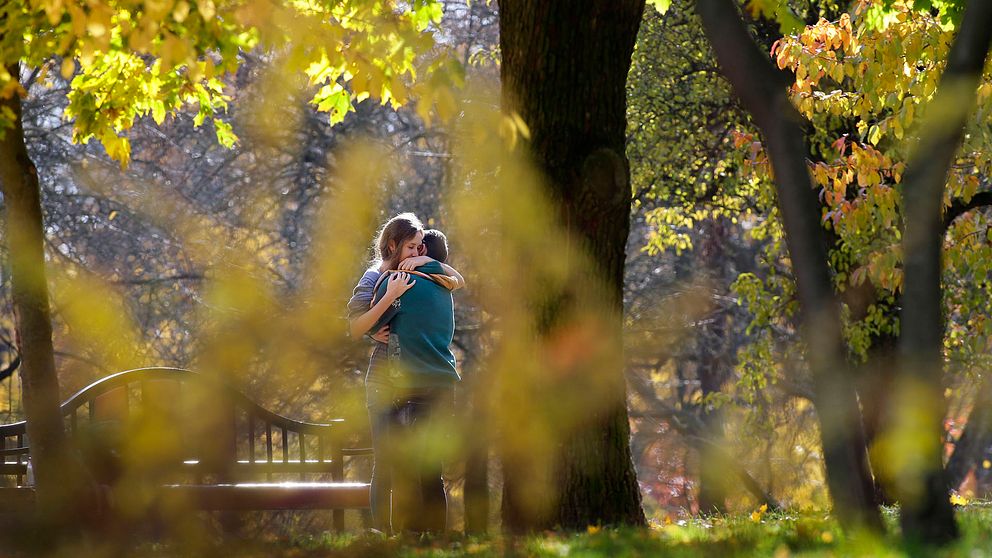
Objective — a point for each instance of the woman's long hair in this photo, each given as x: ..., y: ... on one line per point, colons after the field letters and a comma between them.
x: 392, y: 235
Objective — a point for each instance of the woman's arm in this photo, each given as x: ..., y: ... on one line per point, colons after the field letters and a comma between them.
x: 397, y: 284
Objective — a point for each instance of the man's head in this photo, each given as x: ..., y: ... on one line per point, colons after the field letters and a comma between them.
x: 436, y: 245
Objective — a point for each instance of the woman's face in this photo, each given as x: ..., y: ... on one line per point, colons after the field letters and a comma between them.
x: 410, y: 247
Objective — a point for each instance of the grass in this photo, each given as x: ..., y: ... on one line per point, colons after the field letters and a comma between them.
x: 777, y: 535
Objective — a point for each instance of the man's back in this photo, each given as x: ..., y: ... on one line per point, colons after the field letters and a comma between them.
x: 423, y: 323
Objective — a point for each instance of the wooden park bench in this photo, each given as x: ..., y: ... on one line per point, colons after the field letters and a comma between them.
x: 232, y: 454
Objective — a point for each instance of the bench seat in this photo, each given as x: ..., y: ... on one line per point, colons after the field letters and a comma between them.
x: 271, y: 496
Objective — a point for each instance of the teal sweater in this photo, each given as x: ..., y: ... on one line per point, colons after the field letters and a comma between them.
x: 421, y: 327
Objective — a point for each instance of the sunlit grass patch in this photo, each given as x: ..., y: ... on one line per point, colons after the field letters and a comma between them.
x: 778, y: 534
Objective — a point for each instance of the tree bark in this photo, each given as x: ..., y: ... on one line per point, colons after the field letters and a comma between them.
x: 926, y: 514
x: 974, y: 440
x: 762, y: 89
x: 876, y: 381
x: 475, y: 389
x: 25, y: 244
x: 713, y: 372
x: 564, y: 71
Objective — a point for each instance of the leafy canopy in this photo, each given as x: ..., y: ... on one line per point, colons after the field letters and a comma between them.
x: 133, y: 58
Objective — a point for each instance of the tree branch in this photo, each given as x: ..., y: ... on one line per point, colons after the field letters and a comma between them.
x: 959, y: 208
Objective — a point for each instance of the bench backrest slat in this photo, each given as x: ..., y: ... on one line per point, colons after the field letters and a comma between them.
x: 268, y: 447
x: 20, y: 444
x: 303, y: 451
x: 251, y: 438
x: 285, y: 445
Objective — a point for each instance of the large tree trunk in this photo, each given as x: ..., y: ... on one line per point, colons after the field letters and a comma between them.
x: 564, y: 71
x: 25, y: 245
x: 763, y: 91
x: 926, y: 513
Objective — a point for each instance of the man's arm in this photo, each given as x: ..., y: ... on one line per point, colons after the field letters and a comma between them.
x: 410, y: 264
x: 454, y: 273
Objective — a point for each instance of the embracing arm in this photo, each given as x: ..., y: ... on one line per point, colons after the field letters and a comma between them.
x: 362, y: 324
x: 417, y: 261
x: 397, y: 284
x: 454, y: 273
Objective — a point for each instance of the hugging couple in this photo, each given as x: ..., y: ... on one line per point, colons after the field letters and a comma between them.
x: 403, y: 303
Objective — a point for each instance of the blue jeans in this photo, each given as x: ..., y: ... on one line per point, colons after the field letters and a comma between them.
x: 407, y: 488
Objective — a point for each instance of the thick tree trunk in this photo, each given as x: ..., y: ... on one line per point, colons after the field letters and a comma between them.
x: 763, y: 91
x: 564, y: 71
x: 926, y: 513
x: 25, y: 245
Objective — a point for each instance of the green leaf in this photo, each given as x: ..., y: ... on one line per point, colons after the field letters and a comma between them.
x: 225, y: 135
x: 874, y: 134
x: 158, y: 111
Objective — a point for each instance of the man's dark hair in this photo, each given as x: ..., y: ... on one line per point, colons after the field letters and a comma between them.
x: 436, y: 244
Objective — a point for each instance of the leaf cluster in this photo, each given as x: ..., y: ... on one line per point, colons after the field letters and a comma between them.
x: 133, y: 58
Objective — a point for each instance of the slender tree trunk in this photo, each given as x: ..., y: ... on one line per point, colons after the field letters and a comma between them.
x: 713, y: 480
x: 875, y: 388
x: 476, y: 392
x: 25, y: 245
x: 926, y: 514
x: 713, y: 373
x: 564, y: 71
x: 974, y: 440
x: 763, y: 91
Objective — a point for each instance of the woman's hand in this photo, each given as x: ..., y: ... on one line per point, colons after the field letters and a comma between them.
x: 398, y: 284
x: 382, y: 335
x: 410, y: 264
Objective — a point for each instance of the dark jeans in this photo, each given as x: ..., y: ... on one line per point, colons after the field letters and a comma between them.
x: 406, y: 474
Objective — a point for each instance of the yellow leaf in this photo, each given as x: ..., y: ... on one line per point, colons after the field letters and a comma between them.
x: 757, y: 514
x: 206, y: 8
x: 54, y: 10
x: 68, y: 67
x: 96, y: 28
x: 446, y: 104
x: 181, y: 11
